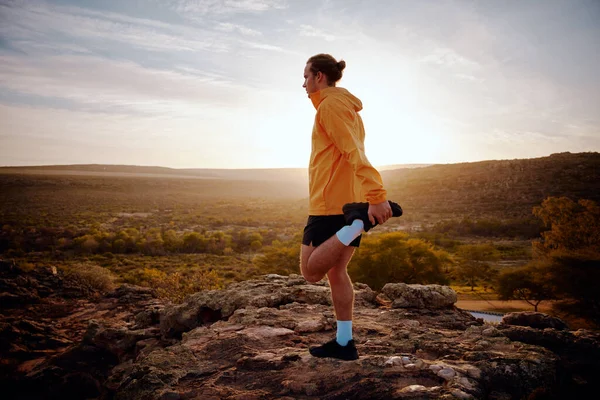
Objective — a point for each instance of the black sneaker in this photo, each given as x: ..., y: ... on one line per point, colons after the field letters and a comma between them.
x: 360, y: 211
x: 334, y: 350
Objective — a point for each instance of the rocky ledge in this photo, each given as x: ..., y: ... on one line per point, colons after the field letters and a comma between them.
x: 251, y: 341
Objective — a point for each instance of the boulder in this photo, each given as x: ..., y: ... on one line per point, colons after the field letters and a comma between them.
x: 535, y: 320
x: 419, y: 296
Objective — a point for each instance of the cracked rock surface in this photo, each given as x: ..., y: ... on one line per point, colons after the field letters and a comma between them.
x: 250, y: 341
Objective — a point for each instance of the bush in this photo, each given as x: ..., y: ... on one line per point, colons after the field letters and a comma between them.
x: 176, y: 286
x: 394, y: 257
x: 279, y: 258
x: 91, y: 275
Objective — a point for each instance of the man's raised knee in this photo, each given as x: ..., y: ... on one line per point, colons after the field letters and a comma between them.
x: 311, y: 278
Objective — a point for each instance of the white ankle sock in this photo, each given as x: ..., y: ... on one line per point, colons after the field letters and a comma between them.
x: 350, y: 232
x: 344, y: 332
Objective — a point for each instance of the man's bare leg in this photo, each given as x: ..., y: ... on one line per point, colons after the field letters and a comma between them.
x: 317, y: 261
x: 342, y: 291
x: 342, y: 295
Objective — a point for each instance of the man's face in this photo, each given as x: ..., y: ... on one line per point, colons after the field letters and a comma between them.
x: 310, y: 80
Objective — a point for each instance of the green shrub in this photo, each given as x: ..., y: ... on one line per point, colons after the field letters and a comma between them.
x: 394, y: 257
x: 175, y: 286
x: 279, y: 258
x: 91, y: 275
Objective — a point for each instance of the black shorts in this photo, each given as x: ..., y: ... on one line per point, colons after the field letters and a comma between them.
x: 319, y: 228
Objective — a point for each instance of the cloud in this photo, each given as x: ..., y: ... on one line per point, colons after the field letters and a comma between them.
x: 41, y: 23
x: 447, y: 57
x: 207, y: 7
x: 311, y: 31
x: 468, y: 77
x: 229, y: 27
x: 263, y: 46
x: 35, y: 27
x: 101, y: 83
x: 61, y: 60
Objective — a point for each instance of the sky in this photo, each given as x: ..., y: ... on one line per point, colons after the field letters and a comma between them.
x: 218, y: 83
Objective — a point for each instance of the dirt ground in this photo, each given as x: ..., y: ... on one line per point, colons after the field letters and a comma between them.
x: 500, y: 306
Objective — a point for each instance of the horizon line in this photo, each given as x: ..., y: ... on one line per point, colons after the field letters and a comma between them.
x: 280, y: 168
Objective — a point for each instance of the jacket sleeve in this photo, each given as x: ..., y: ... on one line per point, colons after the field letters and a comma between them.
x: 342, y: 128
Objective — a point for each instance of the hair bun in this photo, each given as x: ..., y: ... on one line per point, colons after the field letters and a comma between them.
x: 341, y: 65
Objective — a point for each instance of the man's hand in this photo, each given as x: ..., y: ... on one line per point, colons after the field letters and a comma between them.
x: 380, y: 212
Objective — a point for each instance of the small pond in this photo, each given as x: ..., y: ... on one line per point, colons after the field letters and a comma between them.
x: 486, y: 317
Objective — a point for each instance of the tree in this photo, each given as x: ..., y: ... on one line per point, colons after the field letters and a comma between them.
x: 218, y: 241
x: 575, y: 276
x: 393, y: 257
x: 529, y: 283
x: 474, y: 261
x: 194, y: 242
x: 279, y: 258
x: 570, y: 249
x: 154, y: 243
x: 572, y: 226
x: 130, y: 237
x: 119, y: 246
x: 172, y: 242
x: 87, y: 243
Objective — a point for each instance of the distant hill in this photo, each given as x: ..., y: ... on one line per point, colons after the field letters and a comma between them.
x: 498, y: 188
x: 401, y: 166
x: 503, y: 188
x: 262, y: 174
x: 284, y: 174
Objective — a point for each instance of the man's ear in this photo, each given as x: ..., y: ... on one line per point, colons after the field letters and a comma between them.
x: 319, y: 76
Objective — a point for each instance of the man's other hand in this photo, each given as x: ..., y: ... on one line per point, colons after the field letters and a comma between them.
x: 380, y: 212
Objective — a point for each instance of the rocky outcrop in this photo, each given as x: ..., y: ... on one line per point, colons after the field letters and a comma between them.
x: 272, y: 292
x: 43, y: 351
x: 534, y: 320
x: 250, y: 341
x: 419, y: 296
x: 578, y: 352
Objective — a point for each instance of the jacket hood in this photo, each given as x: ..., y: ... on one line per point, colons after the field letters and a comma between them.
x: 338, y: 93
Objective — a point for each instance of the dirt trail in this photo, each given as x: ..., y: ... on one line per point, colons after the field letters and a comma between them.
x: 500, y: 306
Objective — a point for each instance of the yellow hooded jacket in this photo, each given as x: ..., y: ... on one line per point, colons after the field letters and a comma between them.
x: 339, y: 171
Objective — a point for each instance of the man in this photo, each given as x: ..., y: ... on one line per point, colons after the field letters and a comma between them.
x: 340, y: 180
